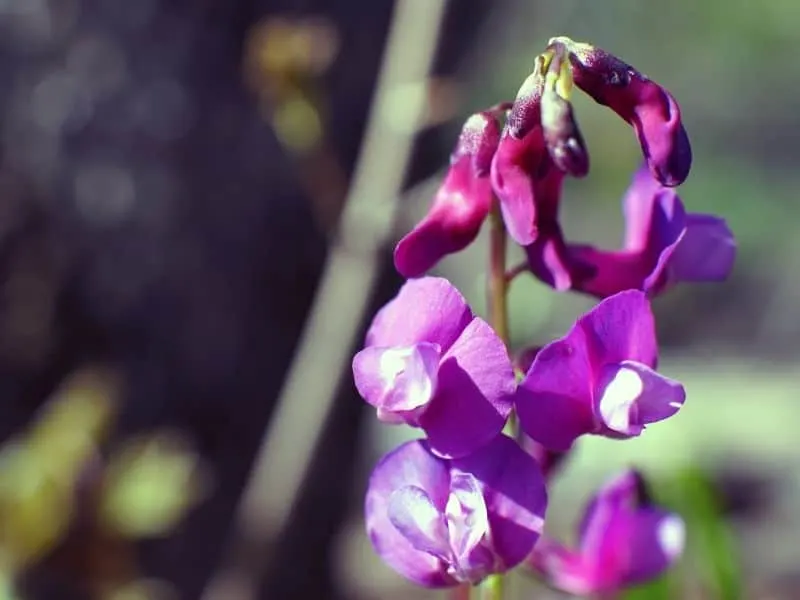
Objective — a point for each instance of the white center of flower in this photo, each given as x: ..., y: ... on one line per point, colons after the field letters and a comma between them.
x: 409, y: 376
x: 672, y: 536
x: 618, y: 398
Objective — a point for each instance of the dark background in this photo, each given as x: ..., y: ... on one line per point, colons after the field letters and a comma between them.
x: 169, y: 189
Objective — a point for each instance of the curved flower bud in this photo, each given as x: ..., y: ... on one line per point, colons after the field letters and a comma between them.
x: 461, y: 204
x: 443, y: 522
x: 623, y: 541
x: 430, y: 363
x: 599, y: 378
x: 663, y: 246
x: 561, y: 134
x: 521, y: 160
x: 648, y: 107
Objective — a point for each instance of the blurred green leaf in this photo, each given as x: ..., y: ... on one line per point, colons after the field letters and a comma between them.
x: 150, y: 485
x: 711, y: 554
x: 663, y: 588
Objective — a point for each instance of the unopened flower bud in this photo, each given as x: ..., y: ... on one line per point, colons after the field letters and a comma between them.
x: 561, y: 133
x: 648, y: 107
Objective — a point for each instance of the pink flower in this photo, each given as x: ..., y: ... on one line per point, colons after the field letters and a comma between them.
x: 623, y: 541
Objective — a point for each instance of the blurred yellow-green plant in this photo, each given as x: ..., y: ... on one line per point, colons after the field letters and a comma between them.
x: 59, y: 472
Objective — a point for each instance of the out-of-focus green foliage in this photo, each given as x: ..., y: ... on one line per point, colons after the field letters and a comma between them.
x: 711, y: 557
x: 39, y: 471
x: 55, y: 472
x: 149, y: 485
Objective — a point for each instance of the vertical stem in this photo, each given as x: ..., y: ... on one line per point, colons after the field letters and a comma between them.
x: 498, y: 284
x: 497, y: 288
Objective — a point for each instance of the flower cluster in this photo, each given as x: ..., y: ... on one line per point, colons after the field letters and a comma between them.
x: 468, y: 500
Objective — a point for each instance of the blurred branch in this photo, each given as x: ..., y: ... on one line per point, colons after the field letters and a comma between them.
x: 346, y: 284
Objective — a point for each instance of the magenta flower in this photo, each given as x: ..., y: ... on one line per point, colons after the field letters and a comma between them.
x: 430, y: 363
x: 522, y: 162
x: 441, y: 522
x: 648, y: 107
x: 599, y: 378
x: 460, y: 205
x: 663, y: 246
x: 623, y: 541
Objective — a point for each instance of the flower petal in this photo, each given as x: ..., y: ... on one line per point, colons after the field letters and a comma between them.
x: 410, y: 465
x: 611, y: 271
x: 414, y: 515
x: 452, y: 224
x: 625, y: 490
x: 397, y: 380
x: 657, y: 541
x: 638, y: 203
x: 429, y: 309
x: 661, y: 396
x: 475, y: 393
x: 515, y: 496
x: 515, y: 167
x: 460, y: 205
x: 648, y: 107
x: 631, y: 395
x: 620, y: 328
x: 706, y: 252
x: 468, y: 524
x: 621, y: 542
x: 554, y: 400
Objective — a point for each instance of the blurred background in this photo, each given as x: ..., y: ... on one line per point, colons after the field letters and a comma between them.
x: 198, y: 200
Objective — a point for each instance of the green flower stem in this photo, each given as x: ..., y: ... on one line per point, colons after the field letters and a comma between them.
x: 497, y: 287
x: 498, y: 284
x: 491, y: 588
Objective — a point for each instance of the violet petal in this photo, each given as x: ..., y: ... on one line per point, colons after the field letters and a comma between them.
x: 429, y: 309
x: 657, y: 541
x: 621, y: 491
x: 706, y: 252
x: 475, y: 393
x: 414, y: 515
x: 638, y: 204
x: 452, y: 223
x: 631, y: 395
x: 562, y: 568
x: 554, y: 400
x: 410, y: 465
x: 468, y: 524
x: 514, y: 168
x: 397, y: 380
x: 621, y: 327
x: 515, y: 496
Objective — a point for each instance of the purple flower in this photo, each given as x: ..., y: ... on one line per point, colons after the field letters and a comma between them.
x: 663, y: 246
x: 430, y: 363
x: 561, y: 133
x: 623, y: 541
x: 522, y: 162
x: 599, y: 378
x: 648, y: 107
x: 440, y: 522
x: 460, y: 205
